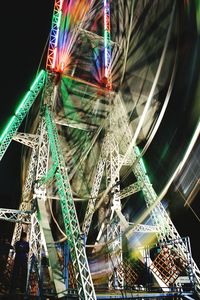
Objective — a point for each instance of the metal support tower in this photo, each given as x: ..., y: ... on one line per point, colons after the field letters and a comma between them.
x: 160, y: 218
x: 47, y: 162
x: 164, y: 228
x: 77, y: 247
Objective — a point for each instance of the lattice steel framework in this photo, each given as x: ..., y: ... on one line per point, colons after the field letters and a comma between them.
x: 47, y: 162
x: 54, y: 34
x: 21, y: 112
x: 77, y: 247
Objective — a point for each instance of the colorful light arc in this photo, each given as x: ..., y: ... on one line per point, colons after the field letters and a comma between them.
x: 67, y: 16
x: 107, y: 47
x: 26, y: 98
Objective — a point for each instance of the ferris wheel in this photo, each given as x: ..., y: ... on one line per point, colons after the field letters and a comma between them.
x: 98, y: 105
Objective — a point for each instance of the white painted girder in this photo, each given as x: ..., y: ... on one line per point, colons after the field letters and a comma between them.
x: 72, y: 124
x: 159, y: 216
x: 35, y: 254
x: 130, y: 190
x: 77, y: 246
x: 94, y: 193
x: 14, y: 215
x: 40, y: 191
x: 26, y: 139
x: 143, y: 228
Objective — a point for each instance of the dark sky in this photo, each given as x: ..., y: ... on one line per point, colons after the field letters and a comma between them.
x: 25, y: 29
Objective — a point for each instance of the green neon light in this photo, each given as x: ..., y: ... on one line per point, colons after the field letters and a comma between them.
x: 137, y: 150
x: 14, y: 118
x: 29, y: 92
x: 141, y: 160
x: 22, y: 103
x: 59, y: 18
x: 7, y: 128
x: 147, y: 178
x: 58, y: 27
x: 37, y: 79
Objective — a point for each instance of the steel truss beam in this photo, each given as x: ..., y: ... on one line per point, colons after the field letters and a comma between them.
x: 13, y: 215
x: 113, y: 160
x: 75, y: 239
x: 163, y: 225
x: 26, y: 139
x: 159, y: 216
x: 130, y: 190
x: 51, y: 56
x: 162, y: 221
x: 112, y: 213
x: 26, y: 203
x: 94, y: 193
x: 109, y: 162
x: 34, y: 256
x: 113, y: 229
x: 143, y: 227
x: 40, y: 192
x: 72, y: 124
x: 37, y: 169
x: 41, y: 165
x: 21, y: 112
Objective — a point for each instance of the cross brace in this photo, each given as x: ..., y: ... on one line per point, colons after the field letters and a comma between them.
x: 13, y: 215
x: 29, y: 140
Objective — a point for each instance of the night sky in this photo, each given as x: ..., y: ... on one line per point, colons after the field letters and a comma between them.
x: 25, y: 32
x: 24, y: 35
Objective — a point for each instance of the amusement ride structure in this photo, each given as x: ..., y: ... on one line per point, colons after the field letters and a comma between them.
x: 94, y: 105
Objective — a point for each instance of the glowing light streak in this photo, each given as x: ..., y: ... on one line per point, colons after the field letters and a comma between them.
x: 56, y: 38
x: 164, y: 107
x: 64, y: 32
x: 61, y: 4
x: 35, y: 82
x: 141, y: 160
x: 29, y: 92
x: 146, y: 108
x: 20, y: 113
x: 190, y: 147
x: 22, y: 103
x: 107, y: 47
x: 164, y: 191
x: 76, y: 79
x: 153, y: 88
x: 6, y: 130
x: 53, y: 44
x: 197, y: 4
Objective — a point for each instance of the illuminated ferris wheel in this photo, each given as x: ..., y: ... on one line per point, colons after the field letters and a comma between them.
x: 86, y: 193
